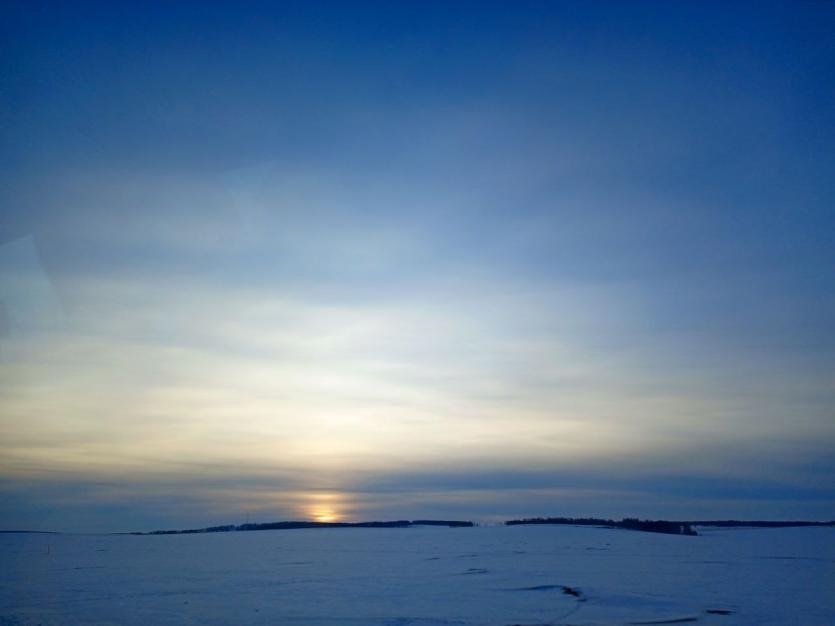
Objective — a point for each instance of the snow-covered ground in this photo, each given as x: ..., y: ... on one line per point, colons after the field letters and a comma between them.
x: 422, y: 577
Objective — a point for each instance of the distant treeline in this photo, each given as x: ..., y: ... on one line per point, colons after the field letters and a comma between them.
x: 630, y: 523
x: 758, y: 524
x: 662, y: 526
x: 295, y: 525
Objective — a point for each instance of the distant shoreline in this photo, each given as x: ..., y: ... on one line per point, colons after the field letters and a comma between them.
x: 661, y: 526
x: 302, y: 525
x: 627, y: 523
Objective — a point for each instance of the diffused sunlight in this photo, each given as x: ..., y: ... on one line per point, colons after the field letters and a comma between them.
x: 408, y: 259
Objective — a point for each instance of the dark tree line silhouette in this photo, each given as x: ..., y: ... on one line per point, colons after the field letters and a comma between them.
x: 630, y: 523
x: 759, y: 523
x: 296, y: 525
x: 662, y: 526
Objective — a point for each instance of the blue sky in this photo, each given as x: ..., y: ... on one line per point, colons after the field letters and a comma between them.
x: 378, y: 260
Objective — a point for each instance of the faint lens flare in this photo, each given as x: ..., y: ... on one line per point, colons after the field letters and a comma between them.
x: 28, y: 300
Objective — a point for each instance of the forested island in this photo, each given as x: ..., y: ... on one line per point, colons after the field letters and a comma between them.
x: 663, y: 526
x: 629, y: 523
x: 758, y: 524
x: 297, y: 525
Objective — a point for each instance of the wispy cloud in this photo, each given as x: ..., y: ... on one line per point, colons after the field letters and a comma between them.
x: 329, y: 257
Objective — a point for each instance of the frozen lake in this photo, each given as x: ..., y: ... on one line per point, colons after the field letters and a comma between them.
x: 526, y: 575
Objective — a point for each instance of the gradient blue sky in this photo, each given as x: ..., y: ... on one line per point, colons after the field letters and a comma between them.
x: 391, y: 260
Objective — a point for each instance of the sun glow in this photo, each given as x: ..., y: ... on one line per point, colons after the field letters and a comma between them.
x: 325, y: 507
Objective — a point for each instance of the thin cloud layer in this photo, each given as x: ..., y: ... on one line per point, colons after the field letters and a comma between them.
x: 401, y: 263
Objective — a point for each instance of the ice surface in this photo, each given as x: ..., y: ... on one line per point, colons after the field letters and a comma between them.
x: 527, y: 575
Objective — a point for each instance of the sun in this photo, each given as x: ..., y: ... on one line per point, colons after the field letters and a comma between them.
x: 324, y: 507
x: 325, y: 515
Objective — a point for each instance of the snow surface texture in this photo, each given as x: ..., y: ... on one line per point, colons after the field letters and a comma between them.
x: 526, y: 575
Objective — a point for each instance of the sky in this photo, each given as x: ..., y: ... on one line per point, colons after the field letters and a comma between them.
x: 375, y: 260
